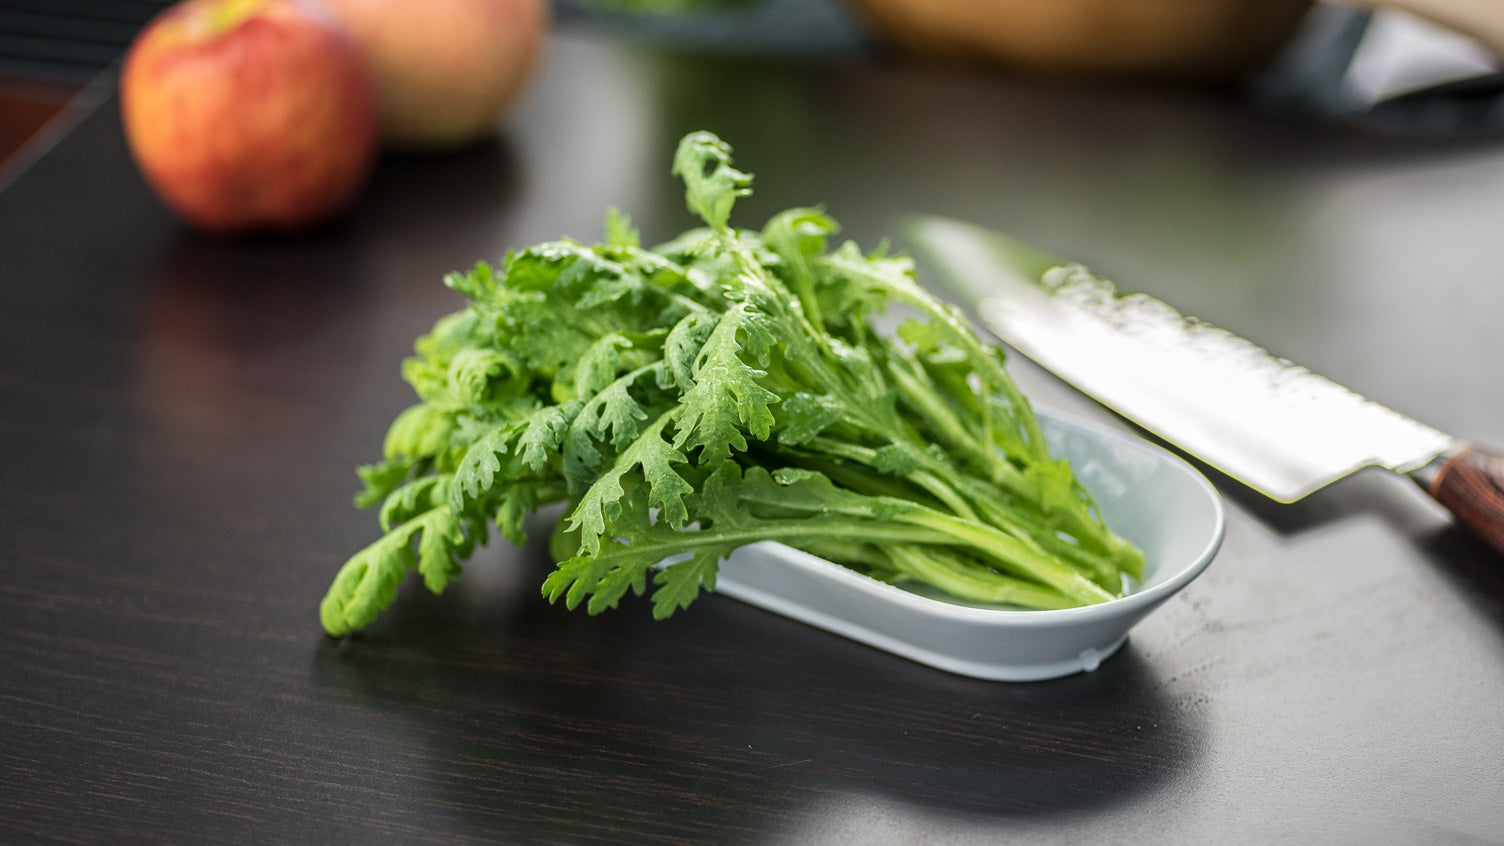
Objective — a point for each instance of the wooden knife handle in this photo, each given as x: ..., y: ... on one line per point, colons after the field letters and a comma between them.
x: 1469, y: 481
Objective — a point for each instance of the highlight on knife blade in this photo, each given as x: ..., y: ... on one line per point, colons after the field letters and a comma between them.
x: 1264, y: 420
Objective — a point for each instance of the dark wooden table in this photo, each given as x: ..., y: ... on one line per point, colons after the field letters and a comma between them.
x: 180, y: 418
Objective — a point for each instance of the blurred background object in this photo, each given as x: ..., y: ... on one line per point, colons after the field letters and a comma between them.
x: 67, y: 42
x: 1431, y: 65
x: 1183, y: 40
x: 1481, y: 20
x: 800, y: 29
x: 25, y: 107
x: 446, y: 71
x: 1418, y: 66
x: 50, y: 50
x: 1387, y: 69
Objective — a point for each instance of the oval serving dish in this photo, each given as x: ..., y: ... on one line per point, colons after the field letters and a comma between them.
x: 1145, y: 494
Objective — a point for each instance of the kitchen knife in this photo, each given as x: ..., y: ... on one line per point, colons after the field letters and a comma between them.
x: 1262, y: 420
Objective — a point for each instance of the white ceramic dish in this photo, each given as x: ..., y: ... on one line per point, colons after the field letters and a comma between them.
x: 1146, y: 494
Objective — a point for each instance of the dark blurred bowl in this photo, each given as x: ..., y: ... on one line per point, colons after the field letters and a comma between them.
x: 1185, y: 40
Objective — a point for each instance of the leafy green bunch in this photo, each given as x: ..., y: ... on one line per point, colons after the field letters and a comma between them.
x: 724, y: 388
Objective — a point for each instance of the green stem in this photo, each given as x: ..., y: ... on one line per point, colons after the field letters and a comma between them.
x: 1018, y: 555
x: 958, y: 578
x: 1011, y: 552
x: 919, y: 393
x: 922, y: 397
x: 925, y: 479
x: 988, y: 367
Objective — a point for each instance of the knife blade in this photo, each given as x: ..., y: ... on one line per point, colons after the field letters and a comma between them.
x: 1264, y: 421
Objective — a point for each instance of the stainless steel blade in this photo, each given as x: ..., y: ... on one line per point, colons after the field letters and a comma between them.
x: 1265, y: 421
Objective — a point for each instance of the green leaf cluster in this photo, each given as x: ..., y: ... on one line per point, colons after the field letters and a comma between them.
x: 724, y: 388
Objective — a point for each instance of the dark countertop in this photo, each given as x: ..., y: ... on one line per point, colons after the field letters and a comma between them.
x: 180, y: 418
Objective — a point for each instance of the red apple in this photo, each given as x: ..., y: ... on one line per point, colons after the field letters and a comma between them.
x: 250, y: 114
x: 446, y: 70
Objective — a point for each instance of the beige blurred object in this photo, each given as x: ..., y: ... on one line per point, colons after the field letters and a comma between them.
x: 1198, y: 40
x: 1482, y: 20
x: 447, y: 70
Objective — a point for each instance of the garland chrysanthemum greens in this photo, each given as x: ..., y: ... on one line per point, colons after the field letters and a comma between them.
x: 724, y: 388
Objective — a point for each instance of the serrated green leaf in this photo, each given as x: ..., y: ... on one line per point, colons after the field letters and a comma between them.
x: 811, y: 491
x: 682, y: 347
x: 861, y: 372
x: 514, y: 502
x: 471, y: 373
x: 803, y: 416
x: 602, y: 504
x: 666, y: 487
x: 620, y: 416
x: 1056, y: 483
x: 450, y: 334
x: 582, y: 460
x: 601, y: 579
x: 597, y: 368
x: 412, y: 499
x: 719, y: 498
x: 538, y: 267
x: 614, y: 414
x: 368, y: 582
x: 798, y: 236
x: 711, y: 184
x: 726, y: 398
x: 757, y: 337
x: 479, y: 283
x: 481, y: 465
x: 620, y: 234
x: 574, y: 579
x: 380, y: 479
x: 364, y: 587
x: 679, y: 583
x: 438, y: 536
x: 421, y: 431
x: 543, y: 434
x: 608, y: 290
x: 924, y: 336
